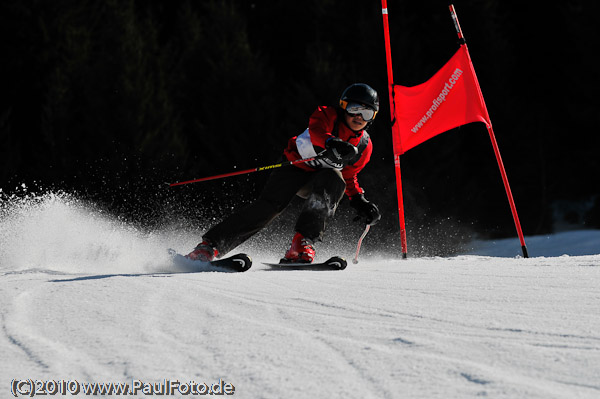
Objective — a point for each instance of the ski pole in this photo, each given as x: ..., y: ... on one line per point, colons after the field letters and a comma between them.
x: 360, y: 240
x: 242, y: 172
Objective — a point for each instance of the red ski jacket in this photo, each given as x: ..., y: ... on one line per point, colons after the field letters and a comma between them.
x: 324, y: 124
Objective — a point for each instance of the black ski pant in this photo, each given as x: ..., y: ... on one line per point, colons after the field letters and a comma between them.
x: 323, y: 189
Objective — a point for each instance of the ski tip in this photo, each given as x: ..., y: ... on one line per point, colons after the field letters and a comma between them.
x: 338, y: 262
x: 243, y: 262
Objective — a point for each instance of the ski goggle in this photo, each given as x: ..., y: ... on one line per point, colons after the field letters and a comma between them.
x: 354, y: 109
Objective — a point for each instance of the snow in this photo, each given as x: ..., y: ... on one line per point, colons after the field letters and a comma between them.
x: 86, y: 297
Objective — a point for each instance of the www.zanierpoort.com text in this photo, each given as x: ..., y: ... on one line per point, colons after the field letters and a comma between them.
x: 439, y: 99
x: 30, y: 387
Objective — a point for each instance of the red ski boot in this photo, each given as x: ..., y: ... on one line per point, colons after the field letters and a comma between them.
x: 302, y: 251
x: 203, y: 252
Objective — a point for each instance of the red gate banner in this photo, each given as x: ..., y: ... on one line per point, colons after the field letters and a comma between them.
x: 449, y: 99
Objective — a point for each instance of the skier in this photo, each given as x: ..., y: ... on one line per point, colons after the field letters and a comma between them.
x: 337, y: 137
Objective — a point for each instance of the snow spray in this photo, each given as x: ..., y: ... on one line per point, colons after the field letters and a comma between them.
x: 57, y: 232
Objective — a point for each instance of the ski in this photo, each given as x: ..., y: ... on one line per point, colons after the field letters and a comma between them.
x: 334, y: 263
x: 236, y: 263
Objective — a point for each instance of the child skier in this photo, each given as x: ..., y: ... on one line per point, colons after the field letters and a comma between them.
x: 337, y: 137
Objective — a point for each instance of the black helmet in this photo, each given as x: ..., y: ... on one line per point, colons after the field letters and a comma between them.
x: 360, y: 93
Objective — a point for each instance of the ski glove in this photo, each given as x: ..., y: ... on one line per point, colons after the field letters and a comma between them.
x: 339, y: 151
x: 367, y: 211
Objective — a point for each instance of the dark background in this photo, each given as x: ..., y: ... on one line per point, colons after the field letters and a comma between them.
x: 111, y: 99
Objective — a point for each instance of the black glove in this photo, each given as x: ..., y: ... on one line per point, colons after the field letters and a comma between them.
x: 339, y: 151
x: 367, y: 211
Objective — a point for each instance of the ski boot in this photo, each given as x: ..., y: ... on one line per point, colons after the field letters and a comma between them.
x: 203, y: 252
x: 301, y: 251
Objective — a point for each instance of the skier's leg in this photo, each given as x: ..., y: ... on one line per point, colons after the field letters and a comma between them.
x: 326, y: 190
x: 280, y: 189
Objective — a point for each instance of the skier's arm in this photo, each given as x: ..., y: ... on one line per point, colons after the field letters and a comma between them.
x: 350, y: 172
x: 321, y: 125
x: 367, y: 211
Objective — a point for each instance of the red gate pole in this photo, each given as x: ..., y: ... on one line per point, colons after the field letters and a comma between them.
x: 395, y: 127
x: 490, y: 129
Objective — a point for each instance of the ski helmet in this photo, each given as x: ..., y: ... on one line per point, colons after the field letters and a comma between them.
x: 362, y: 94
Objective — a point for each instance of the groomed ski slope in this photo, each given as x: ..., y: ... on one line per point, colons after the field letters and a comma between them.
x: 459, y: 327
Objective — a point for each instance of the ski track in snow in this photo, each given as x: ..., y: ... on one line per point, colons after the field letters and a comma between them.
x: 465, y: 326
